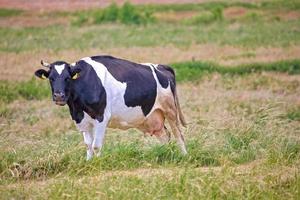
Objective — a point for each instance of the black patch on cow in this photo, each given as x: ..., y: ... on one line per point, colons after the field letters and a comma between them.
x: 76, y: 109
x: 141, y: 85
x: 87, y: 94
x: 166, y: 75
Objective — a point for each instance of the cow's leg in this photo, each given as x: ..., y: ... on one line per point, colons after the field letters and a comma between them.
x: 174, y: 124
x: 178, y: 135
x: 163, y: 136
x: 99, y: 130
x: 85, y: 127
x: 167, y: 133
x: 88, y: 140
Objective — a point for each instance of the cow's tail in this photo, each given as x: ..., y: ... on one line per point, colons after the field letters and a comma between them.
x: 179, y: 112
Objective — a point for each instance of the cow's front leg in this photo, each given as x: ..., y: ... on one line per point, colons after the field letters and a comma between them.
x: 99, y: 129
x: 86, y: 127
x: 88, y: 140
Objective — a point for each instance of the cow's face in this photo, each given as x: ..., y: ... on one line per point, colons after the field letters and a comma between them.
x: 60, y: 76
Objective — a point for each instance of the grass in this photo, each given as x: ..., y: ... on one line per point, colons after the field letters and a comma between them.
x: 243, y: 119
x: 29, y: 90
x: 231, y: 142
x: 115, y: 27
x: 294, y: 114
x: 194, y: 70
x: 59, y: 38
x: 69, y: 160
x: 9, y: 12
x: 214, y: 15
x: 189, y: 183
x: 126, y: 14
x: 64, y: 156
x: 293, y: 4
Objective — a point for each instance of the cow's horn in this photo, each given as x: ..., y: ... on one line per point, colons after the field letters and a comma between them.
x: 45, y: 64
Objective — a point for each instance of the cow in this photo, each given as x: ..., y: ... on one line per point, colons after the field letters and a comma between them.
x: 104, y: 91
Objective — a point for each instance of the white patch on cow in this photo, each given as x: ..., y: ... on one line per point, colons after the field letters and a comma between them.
x: 73, y: 64
x: 148, y: 64
x: 122, y: 116
x: 59, y: 68
x: 86, y: 124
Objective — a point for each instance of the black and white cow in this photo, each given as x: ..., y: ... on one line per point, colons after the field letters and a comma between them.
x: 103, y: 91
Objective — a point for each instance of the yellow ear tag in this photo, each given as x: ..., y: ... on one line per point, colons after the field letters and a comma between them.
x: 75, y: 76
x: 43, y: 76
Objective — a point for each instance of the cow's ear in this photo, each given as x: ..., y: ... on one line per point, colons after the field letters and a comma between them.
x: 41, y: 73
x: 75, y: 73
x: 75, y: 76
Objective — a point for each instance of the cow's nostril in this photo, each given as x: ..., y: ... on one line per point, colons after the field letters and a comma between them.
x: 59, y: 96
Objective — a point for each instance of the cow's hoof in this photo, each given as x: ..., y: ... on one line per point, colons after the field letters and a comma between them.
x: 89, y: 155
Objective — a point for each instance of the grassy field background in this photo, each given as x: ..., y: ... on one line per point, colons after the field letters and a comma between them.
x: 238, y: 73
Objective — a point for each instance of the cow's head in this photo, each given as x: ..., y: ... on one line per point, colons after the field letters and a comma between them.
x: 60, y: 75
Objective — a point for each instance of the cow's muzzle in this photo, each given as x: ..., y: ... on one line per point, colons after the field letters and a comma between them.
x: 59, y: 99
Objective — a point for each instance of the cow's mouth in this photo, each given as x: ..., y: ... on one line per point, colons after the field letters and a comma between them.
x: 60, y: 103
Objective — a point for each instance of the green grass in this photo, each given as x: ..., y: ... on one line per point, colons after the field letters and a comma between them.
x: 126, y: 14
x: 194, y: 70
x: 59, y: 38
x: 258, y: 28
x: 142, y: 14
x: 294, y: 114
x: 214, y: 15
x: 9, y: 12
x: 293, y: 5
x: 183, y: 184
x: 29, y: 90
x: 65, y: 155
x: 264, y: 5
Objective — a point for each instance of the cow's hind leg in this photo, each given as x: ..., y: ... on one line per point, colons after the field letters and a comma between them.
x: 179, y: 137
x: 174, y: 124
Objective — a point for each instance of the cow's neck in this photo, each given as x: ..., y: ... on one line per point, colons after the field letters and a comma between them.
x: 84, y: 100
x: 75, y: 108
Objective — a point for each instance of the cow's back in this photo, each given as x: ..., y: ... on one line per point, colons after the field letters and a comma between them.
x: 141, y: 86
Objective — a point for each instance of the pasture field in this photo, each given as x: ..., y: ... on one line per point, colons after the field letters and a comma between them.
x: 238, y: 73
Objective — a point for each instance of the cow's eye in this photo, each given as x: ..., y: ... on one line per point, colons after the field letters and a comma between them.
x: 67, y: 79
x: 51, y: 79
